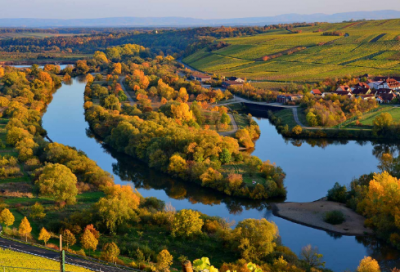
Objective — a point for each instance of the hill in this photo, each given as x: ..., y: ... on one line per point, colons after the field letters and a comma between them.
x: 365, y: 47
x: 185, y: 21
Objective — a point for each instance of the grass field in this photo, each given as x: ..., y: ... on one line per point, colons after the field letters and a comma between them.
x: 371, y: 47
x: 367, y: 119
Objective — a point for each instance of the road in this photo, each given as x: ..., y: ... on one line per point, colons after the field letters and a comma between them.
x: 13, y: 245
x: 121, y: 82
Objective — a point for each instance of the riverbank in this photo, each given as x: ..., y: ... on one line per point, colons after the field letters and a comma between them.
x: 311, y: 214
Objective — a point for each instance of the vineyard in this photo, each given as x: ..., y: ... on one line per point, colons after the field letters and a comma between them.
x: 9, y: 259
x: 371, y: 47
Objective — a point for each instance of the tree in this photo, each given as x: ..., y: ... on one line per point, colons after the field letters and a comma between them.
x: 382, y: 123
x: 225, y: 156
x: 44, y: 236
x: 110, y: 252
x: 181, y: 112
x: 118, y: 205
x: 117, y: 68
x: 88, y: 240
x: 164, y: 260
x: 311, y: 119
x: 100, y: 57
x: 187, y: 223
x: 37, y: 211
x: 92, y: 229
x: 311, y: 256
x: 225, y: 119
x: 68, y: 237
x: 25, y: 228
x: 368, y: 265
x: 89, y: 78
x: 58, y: 181
x: 6, y: 217
x: 254, y: 238
x: 297, y: 130
x: 112, y: 103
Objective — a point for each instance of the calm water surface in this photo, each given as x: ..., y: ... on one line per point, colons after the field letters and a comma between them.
x: 311, y: 171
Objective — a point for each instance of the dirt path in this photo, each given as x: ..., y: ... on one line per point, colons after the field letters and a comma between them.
x: 234, y: 127
x: 311, y: 214
x: 121, y: 82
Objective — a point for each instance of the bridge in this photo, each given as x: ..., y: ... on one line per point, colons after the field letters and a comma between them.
x: 259, y: 106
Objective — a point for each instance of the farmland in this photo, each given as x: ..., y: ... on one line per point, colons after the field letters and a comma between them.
x: 370, y: 47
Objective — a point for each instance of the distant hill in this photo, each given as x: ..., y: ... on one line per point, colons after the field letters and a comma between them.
x: 183, y: 22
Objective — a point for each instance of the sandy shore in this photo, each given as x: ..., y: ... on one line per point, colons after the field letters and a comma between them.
x: 312, y: 213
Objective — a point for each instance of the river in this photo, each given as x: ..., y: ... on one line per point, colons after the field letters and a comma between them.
x: 311, y: 171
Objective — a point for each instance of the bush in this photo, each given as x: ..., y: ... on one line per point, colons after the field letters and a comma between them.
x: 338, y: 193
x: 334, y: 217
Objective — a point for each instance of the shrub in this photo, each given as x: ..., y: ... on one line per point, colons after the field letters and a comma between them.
x: 334, y: 217
x: 338, y: 193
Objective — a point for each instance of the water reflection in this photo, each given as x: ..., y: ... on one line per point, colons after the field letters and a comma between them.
x: 312, y: 168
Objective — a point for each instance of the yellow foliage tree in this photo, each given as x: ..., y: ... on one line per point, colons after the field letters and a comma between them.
x: 117, y: 68
x: 164, y: 260
x: 368, y: 265
x: 25, y: 228
x: 181, y: 112
x: 7, y: 218
x: 44, y: 236
x: 88, y: 240
x: 187, y: 223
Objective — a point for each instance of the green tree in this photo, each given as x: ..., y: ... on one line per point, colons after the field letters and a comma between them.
x: 187, y: 223
x: 112, y: 103
x: 225, y: 119
x: 255, y: 239
x: 225, y: 156
x: 58, y: 181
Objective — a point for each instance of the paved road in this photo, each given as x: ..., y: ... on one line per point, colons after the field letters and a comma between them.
x: 121, y: 82
x: 5, y: 243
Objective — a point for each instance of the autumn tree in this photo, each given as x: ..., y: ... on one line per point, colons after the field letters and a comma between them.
x: 164, y: 260
x: 368, y: 265
x: 382, y: 123
x: 25, y: 228
x: 297, y: 130
x: 68, y: 237
x: 311, y: 256
x: 37, y: 211
x: 110, y: 252
x: 6, y: 217
x: 44, y: 236
x: 181, y: 112
x: 100, y: 57
x: 117, y: 68
x: 93, y: 230
x: 89, y: 78
x: 58, y: 181
x: 255, y: 239
x: 118, y: 206
x: 111, y: 102
x: 187, y: 223
x: 88, y: 240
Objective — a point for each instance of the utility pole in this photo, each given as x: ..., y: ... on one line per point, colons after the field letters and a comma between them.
x: 60, y: 242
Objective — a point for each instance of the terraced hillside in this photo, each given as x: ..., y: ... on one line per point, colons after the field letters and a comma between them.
x: 368, y: 47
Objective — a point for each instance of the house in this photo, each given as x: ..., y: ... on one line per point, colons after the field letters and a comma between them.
x: 237, y: 79
x: 316, y: 92
x: 385, y: 98
x: 343, y: 88
x: 286, y: 98
x: 374, y: 84
x: 361, y: 89
x: 227, y: 84
x: 380, y: 92
x: 201, y: 77
x: 389, y: 83
x: 348, y: 93
x: 367, y: 96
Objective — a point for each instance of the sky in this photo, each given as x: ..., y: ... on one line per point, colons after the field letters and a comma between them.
x: 205, y: 9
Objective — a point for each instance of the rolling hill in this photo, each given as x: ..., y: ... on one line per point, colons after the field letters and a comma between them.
x: 367, y: 47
